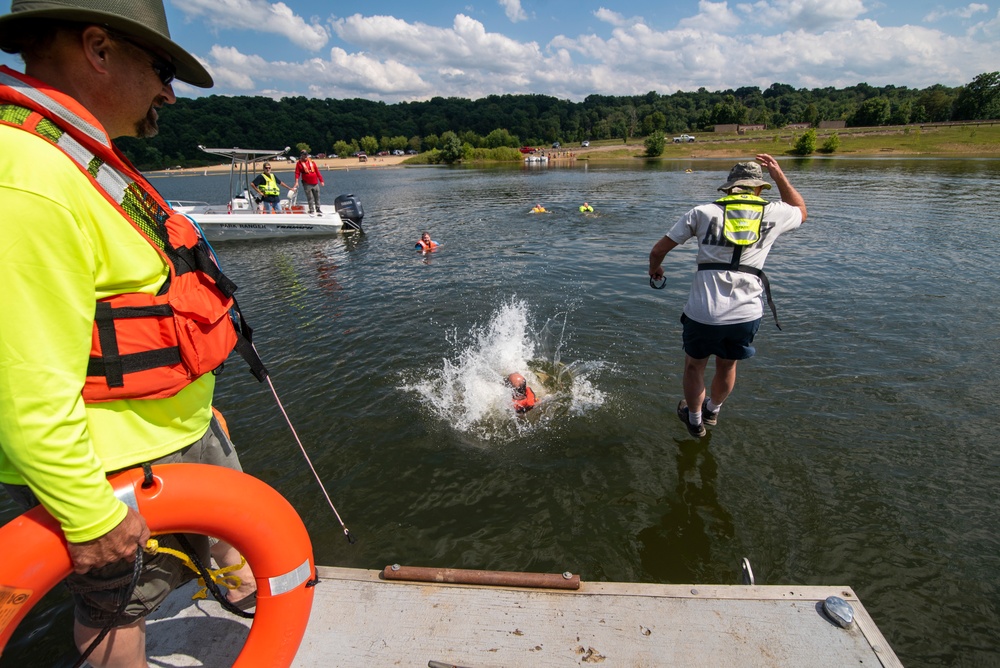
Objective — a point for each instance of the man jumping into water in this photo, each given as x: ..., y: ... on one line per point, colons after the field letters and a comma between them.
x: 724, y: 309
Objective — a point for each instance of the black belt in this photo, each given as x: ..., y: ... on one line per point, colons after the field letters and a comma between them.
x: 746, y: 269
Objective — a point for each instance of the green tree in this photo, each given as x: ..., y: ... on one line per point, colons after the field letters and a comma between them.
x: 342, y: 148
x: 979, y: 99
x: 872, y: 112
x: 901, y: 113
x: 369, y: 144
x: 806, y: 144
x: 936, y: 102
x: 831, y: 144
x: 302, y: 146
x: 451, y: 148
x: 655, y: 144
x: 500, y: 137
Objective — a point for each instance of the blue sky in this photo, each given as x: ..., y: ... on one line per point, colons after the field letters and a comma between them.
x: 397, y: 50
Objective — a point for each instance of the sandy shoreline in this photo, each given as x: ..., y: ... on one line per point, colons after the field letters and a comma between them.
x: 281, y: 167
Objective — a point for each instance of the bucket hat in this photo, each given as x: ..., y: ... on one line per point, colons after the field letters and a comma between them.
x: 746, y: 174
x: 143, y: 20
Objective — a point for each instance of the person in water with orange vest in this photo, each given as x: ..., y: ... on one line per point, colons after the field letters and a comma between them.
x: 307, y: 173
x: 94, y: 239
x: 523, y: 397
x: 425, y: 244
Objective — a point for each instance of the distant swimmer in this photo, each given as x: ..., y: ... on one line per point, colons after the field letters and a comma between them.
x: 539, y: 209
x: 425, y: 244
x: 586, y: 208
x: 523, y: 397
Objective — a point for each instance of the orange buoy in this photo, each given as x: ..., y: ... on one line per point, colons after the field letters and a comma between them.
x: 188, y: 498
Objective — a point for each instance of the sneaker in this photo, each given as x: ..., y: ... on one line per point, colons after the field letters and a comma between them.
x: 312, y: 215
x: 696, y: 430
x: 319, y: 214
x: 707, y: 416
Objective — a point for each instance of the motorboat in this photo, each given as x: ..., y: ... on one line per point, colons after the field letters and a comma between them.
x: 243, y: 217
x: 536, y: 159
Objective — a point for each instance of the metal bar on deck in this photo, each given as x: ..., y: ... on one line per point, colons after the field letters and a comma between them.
x: 476, y: 577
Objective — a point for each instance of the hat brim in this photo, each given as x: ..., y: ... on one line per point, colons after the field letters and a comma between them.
x: 746, y: 183
x: 189, y: 70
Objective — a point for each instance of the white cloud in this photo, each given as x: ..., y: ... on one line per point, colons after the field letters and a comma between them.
x: 513, y: 10
x: 966, y: 12
x: 613, y: 18
x: 711, y: 16
x: 812, y: 15
x: 342, y: 75
x: 466, y: 45
x: 257, y: 15
x: 723, y: 46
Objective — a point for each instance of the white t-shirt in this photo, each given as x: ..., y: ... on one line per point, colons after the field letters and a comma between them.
x: 729, y: 297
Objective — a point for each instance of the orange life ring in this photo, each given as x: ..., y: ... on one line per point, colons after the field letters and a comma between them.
x: 191, y: 498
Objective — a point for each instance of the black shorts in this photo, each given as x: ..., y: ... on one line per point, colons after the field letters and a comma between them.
x: 729, y: 342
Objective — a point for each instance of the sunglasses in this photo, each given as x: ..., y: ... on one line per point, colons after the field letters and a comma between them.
x: 163, y: 68
x: 267, y: 166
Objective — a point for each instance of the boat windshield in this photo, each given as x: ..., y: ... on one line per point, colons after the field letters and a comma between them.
x: 243, y: 167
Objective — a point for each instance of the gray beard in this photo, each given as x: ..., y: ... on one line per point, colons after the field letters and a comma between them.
x: 147, y: 127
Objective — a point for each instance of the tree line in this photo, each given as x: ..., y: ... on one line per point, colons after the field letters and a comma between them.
x: 501, y: 121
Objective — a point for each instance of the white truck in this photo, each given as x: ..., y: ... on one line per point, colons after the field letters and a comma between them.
x: 683, y: 139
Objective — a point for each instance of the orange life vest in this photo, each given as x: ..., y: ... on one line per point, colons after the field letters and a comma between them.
x: 143, y: 346
x: 527, y: 403
x: 422, y: 245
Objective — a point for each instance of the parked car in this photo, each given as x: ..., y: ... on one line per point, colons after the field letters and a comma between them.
x: 555, y: 144
x: 398, y: 152
x: 412, y: 152
x: 585, y: 144
x: 527, y: 149
x: 321, y: 156
x: 683, y: 139
x: 362, y: 156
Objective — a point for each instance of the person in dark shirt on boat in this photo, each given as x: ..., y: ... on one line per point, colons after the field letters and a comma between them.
x: 522, y: 395
x: 267, y: 184
x: 725, y: 305
x: 307, y: 173
x: 94, y: 70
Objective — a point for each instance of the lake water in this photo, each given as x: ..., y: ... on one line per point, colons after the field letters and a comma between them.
x: 856, y: 449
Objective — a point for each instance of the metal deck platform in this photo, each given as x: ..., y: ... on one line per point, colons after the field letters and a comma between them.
x: 361, y: 619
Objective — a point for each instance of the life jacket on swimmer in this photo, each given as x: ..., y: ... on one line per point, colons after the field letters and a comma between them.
x: 538, y: 209
x: 426, y: 246
x: 143, y: 346
x: 586, y: 208
x: 526, y: 403
x: 742, y: 216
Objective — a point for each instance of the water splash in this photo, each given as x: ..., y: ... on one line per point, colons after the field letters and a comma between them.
x: 467, y: 391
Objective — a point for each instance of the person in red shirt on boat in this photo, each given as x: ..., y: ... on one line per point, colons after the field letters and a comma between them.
x: 523, y: 397
x: 425, y: 244
x: 307, y: 173
x: 94, y: 70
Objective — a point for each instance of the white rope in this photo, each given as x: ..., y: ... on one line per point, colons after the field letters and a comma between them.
x: 347, y: 532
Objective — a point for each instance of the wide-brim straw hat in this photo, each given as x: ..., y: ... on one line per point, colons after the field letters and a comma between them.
x: 143, y: 20
x: 746, y: 175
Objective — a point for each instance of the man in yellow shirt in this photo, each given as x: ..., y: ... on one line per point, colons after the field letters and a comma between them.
x: 94, y: 70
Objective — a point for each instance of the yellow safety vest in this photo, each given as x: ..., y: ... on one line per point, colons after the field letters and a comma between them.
x: 270, y: 186
x: 742, y: 218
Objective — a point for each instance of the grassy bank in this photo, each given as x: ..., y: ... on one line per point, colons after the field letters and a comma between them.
x: 980, y: 139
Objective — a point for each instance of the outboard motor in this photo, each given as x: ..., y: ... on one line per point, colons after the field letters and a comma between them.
x: 349, y: 209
